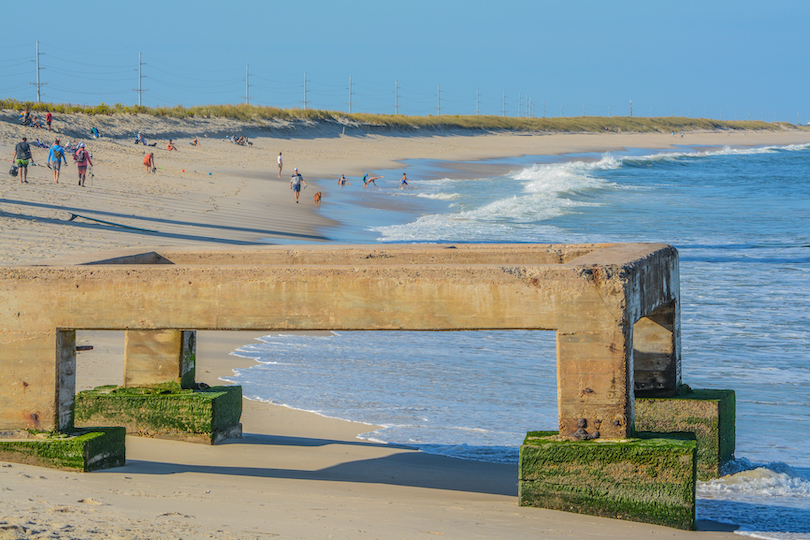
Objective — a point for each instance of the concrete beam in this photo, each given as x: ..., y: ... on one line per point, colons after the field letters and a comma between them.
x: 592, y: 295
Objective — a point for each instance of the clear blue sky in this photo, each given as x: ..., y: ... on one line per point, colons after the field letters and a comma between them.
x: 715, y: 58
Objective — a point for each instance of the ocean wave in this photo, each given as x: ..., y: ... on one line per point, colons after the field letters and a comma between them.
x: 439, y: 196
x: 742, y: 478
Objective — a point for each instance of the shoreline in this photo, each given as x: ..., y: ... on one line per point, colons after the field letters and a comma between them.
x: 294, y: 473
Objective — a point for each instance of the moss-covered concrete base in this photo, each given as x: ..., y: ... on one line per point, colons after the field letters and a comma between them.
x: 80, y: 450
x: 647, y: 480
x: 165, y: 411
x: 709, y: 414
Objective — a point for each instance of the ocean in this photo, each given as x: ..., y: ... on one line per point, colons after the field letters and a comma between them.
x: 739, y: 219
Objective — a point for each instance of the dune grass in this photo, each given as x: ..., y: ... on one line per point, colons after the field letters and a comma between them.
x: 256, y: 114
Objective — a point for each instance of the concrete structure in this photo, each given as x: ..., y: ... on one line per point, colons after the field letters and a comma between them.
x: 603, y: 300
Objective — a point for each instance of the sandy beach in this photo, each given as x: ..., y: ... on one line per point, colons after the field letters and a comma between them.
x: 293, y: 474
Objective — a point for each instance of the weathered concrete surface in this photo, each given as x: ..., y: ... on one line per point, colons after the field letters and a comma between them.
x: 650, y: 480
x: 709, y: 414
x: 165, y: 411
x: 81, y: 450
x: 593, y: 295
x: 159, y: 356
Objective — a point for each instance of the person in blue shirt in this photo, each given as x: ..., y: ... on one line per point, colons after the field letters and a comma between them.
x: 55, y: 157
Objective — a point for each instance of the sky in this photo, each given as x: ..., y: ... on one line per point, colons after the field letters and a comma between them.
x: 722, y: 59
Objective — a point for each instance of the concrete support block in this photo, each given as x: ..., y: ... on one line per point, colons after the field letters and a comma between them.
x: 82, y: 450
x: 159, y: 356
x: 709, y: 414
x: 165, y: 411
x: 646, y: 480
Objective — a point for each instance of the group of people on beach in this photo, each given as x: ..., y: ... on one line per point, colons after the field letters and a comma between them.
x: 23, y: 157
x: 31, y: 120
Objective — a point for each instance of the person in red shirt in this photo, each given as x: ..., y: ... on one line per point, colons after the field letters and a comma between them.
x: 48, y: 119
x: 149, y: 161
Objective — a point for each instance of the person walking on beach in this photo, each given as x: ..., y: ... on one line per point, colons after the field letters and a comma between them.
x: 48, y: 119
x: 295, y: 184
x: 280, y: 164
x: 82, y: 159
x: 22, y: 155
x: 403, y: 181
x: 367, y: 180
x: 55, y: 157
x: 149, y: 161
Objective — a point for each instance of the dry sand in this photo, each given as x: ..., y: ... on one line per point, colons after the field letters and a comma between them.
x: 294, y: 474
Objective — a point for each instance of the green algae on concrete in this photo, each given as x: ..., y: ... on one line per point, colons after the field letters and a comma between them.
x: 165, y: 411
x: 82, y: 450
x: 651, y: 480
x: 709, y: 414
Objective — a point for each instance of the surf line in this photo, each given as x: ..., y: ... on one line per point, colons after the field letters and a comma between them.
x: 74, y: 216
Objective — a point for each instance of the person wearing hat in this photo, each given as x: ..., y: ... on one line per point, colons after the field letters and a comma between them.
x: 295, y: 183
x: 22, y: 155
x: 55, y: 157
x: 82, y: 159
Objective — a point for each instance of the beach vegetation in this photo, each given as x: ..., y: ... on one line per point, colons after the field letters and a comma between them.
x: 276, y: 116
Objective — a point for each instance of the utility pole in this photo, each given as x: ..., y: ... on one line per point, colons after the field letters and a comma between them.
x: 396, y: 96
x: 439, y: 97
x: 140, y: 88
x: 305, y: 102
x: 631, y: 108
x: 38, y: 84
x: 350, y: 95
x: 477, y: 103
x: 518, y: 104
x: 561, y: 111
x: 247, y: 84
x: 504, y: 103
x: 544, y: 108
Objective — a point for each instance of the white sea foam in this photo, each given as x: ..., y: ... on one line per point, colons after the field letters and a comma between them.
x: 439, y: 196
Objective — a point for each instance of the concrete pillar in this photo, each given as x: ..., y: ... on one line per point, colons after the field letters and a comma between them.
x: 657, y: 352
x: 595, y: 381
x: 159, y: 356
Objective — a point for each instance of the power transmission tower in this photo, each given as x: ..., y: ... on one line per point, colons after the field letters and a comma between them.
x: 439, y: 96
x: 38, y: 84
x: 350, y: 95
x: 477, y: 103
x: 631, y: 108
x: 247, y: 84
x: 305, y: 102
x: 396, y: 96
x: 140, y: 88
